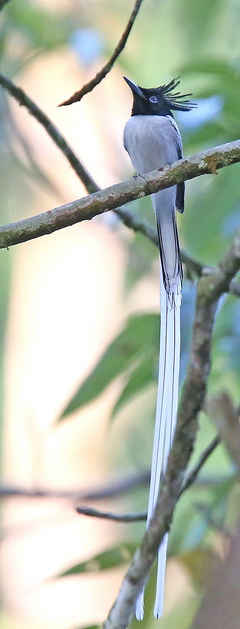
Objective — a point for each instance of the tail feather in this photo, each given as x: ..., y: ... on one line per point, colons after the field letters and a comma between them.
x: 161, y: 571
x: 169, y: 250
x: 167, y: 397
x: 169, y: 424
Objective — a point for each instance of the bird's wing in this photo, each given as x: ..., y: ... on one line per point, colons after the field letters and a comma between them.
x: 180, y: 186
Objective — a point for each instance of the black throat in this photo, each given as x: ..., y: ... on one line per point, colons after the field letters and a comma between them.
x: 145, y: 108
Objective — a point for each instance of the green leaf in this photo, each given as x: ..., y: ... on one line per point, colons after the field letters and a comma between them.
x: 140, y: 337
x: 144, y: 374
x: 111, y: 558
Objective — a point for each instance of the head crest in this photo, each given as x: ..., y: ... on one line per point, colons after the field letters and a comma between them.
x: 175, y: 100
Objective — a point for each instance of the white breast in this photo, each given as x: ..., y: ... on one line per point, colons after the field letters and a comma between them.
x: 151, y: 141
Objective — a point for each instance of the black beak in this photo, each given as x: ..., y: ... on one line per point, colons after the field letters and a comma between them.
x: 135, y: 88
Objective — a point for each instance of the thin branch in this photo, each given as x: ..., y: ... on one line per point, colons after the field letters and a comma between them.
x: 210, y: 288
x: 115, y: 488
x: 142, y: 516
x: 119, y: 194
x: 116, y: 517
x: 108, y: 66
x: 24, y: 100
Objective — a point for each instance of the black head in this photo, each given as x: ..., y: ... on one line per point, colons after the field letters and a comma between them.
x: 158, y: 101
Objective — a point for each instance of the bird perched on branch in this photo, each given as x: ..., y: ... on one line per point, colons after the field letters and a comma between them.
x: 153, y: 140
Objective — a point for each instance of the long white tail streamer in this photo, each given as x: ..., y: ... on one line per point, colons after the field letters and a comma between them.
x: 166, y: 416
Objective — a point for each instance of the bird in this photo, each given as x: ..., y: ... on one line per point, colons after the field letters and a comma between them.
x: 152, y: 140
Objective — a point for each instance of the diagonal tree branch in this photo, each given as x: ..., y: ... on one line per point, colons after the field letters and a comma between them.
x: 206, y: 162
x: 108, y: 66
x: 210, y: 289
x: 127, y: 216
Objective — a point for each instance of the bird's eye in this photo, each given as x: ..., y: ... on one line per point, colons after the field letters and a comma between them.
x: 153, y: 99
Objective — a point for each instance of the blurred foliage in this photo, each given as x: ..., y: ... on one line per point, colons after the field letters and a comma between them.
x: 133, y: 353
x: 110, y: 558
x: 200, y: 41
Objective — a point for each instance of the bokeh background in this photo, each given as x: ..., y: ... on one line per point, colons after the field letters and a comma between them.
x: 66, y: 298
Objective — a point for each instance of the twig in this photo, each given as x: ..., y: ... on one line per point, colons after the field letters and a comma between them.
x: 107, y: 515
x: 54, y: 133
x: 142, y: 516
x: 112, y: 490
x: 115, y: 488
x: 108, y: 66
x: 210, y: 288
x: 119, y: 194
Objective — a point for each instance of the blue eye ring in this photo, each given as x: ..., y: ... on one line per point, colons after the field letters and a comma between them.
x: 153, y: 99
